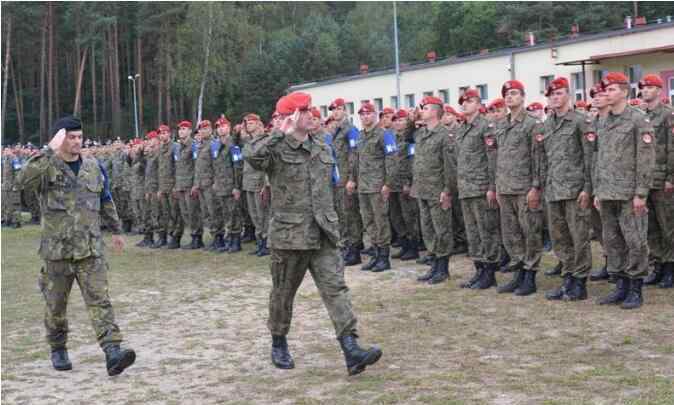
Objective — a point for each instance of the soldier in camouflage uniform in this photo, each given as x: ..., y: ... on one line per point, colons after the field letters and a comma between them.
x: 119, y: 185
x: 137, y: 184
x: 11, y: 197
x: 304, y: 231
x: 256, y: 188
x: 434, y: 176
x: 203, y: 186
x: 372, y: 173
x: 185, y: 154
x: 624, y: 175
x: 660, y: 198
x: 566, y: 153
x: 346, y: 205
x: 477, y: 191
x: 518, y: 183
x: 170, y: 219
x: 227, y: 185
x: 75, y: 197
x: 152, y: 210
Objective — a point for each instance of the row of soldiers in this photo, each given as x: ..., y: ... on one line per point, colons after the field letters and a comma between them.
x: 14, y: 199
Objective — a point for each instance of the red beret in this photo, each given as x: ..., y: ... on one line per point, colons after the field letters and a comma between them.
x: 137, y: 141
x: 461, y: 117
x: 496, y: 103
x: 483, y: 109
x: 448, y: 109
x: 366, y: 107
x: 388, y: 110
x: 581, y: 104
x: 558, y: 83
x: 651, y: 80
x: 315, y: 112
x: 614, y: 78
x: 535, y: 106
x: 339, y: 102
x: 164, y: 127
x: 205, y: 124
x: 400, y: 114
x: 511, y: 84
x: 221, y: 122
x: 293, y: 101
x: 430, y: 100
x: 251, y: 117
x: 151, y: 135
x: 635, y: 102
x: 185, y: 124
x: 469, y: 93
x: 596, y: 89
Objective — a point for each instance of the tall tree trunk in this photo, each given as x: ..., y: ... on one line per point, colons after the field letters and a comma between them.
x: 5, y: 74
x: 50, y: 65
x: 43, y: 64
x: 139, y: 82
x: 104, y: 91
x: 18, y: 100
x: 93, y: 89
x: 78, y: 90
x: 114, y: 80
x: 207, y: 53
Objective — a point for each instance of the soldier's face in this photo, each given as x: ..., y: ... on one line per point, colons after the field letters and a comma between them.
x: 470, y: 106
x: 223, y: 130
x: 650, y: 93
x: 367, y: 118
x: 399, y: 124
x: 72, y: 144
x: 448, y: 118
x: 251, y: 126
x: 338, y: 113
x: 429, y: 112
x: 615, y: 95
x: 164, y: 136
x: 315, y: 123
x: 514, y: 98
x: 559, y: 98
x: 499, y: 113
x: 184, y: 134
x: 304, y: 121
x: 205, y: 133
x: 386, y: 120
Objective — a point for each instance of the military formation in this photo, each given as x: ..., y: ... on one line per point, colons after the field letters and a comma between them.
x: 501, y: 182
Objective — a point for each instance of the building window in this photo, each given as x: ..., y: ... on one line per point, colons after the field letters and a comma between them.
x: 578, y: 84
x: 428, y: 93
x: 482, y: 89
x: 394, y: 102
x: 444, y: 95
x: 324, y: 111
x: 545, y: 82
x: 671, y: 90
x: 599, y: 75
x: 349, y: 108
x: 409, y: 100
x: 463, y: 90
x: 634, y: 75
x: 378, y: 104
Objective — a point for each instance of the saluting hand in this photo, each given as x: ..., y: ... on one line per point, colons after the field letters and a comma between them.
x: 583, y: 200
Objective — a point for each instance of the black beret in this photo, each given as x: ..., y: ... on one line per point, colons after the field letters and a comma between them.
x: 69, y: 123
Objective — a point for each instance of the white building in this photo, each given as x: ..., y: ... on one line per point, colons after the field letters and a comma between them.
x: 583, y: 59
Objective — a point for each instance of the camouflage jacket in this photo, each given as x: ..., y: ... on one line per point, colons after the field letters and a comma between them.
x: 434, y: 171
x: 567, y: 155
x: 253, y: 180
x: 302, y: 205
x: 152, y: 172
x: 72, y: 206
x: 625, y: 156
x: 184, y: 156
x: 127, y: 173
x: 138, y: 177
x: 473, y: 170
x: 662, y: 120
x: 340, y: 143
x: 203, y: 167
x: 226, y: 169
x: 7, y: 174
x: 166, y: 168
x: 517, y: 157
x: 404, y: 173
x: 372, y: 166
x: 117, y: 177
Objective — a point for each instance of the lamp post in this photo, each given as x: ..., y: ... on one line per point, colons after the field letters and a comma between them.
x: 135, y: 105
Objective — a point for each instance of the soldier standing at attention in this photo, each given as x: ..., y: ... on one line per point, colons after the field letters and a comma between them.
x: 168, y: 206
x: 202, y: 187
x: 256, y: 189
x: 151, y: 186
x: 185, y: 154
x: 624, y: 175
x: 11, y: 196
x: 518, y: 184
x: 227, y: 185
x: 304, y: 231
x: 138, y: 205
x: 75, y: 197
x: 660, y: 198
x: 566, y: 153
x: 372, y: 173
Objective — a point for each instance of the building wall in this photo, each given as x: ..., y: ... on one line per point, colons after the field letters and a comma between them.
x: 492, y: 71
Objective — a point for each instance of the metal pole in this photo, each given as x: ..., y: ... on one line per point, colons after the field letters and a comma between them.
x: 395, y: 39
x: 135, y: 105
x: 584, y: 89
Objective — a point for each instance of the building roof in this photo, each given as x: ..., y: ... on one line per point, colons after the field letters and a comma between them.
x: 491, y: 54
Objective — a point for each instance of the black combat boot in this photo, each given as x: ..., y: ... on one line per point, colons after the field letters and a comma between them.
x: 505, y: 260
x: 148, y: 240
x: 428, y: 260
x: 441, y: 270
x: 600, y: 274
x: 559, y: 293
x: 356, y: 357
x: 404, y: 243
x: 258, y: 244
x: 488, y: 278
x: 619, y: 294
x: 60, y: 360
x: 161, y: 241
x: 117, y: 359
x: 235, y: 243
x: 555, y: 271
x: 460, y: 248
x: 528, y: 285
x: 667, y: 276
x: 429, y: 274
x: 264, y: 250
x: 174, y: 242
x: 633, y: 300
x: 248, y: 234
x: 655, y: 276
x: 352, y: 257
x: 373, y: 261
x: 518, y: 277
x: 479, y: 269
x: 412, y: 252
x: 578, y: 290
x: 371, y: 251
x: 422, y: 245
x: 280, y: 355
x: 383, y: 262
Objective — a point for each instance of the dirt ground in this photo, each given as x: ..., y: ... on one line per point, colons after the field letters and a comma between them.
x: 197, y: 321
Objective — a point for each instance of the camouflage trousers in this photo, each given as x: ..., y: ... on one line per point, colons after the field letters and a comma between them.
x: 56, y: 281
x: 436, y: 227
x: 259, y: 214
x: 231, y: 213
x: 122, y: 201
x: 210, y: 211
x: 374, y: 212
x: 404, y: 213
x: 570, y: 235
x: 151, y: 213
x: 661, y: 226
x: 521, y: 230
x: 483, y: 231
x: 458, y: 223
x: 190, y: 212
x: 625, y: 239
x: 11, y: 207
x: 138, y: 209
x: 326, y: 266
x: 170, y: 221
x: 245, y: 211
x: 32, y: 202
x: 350, y: 222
